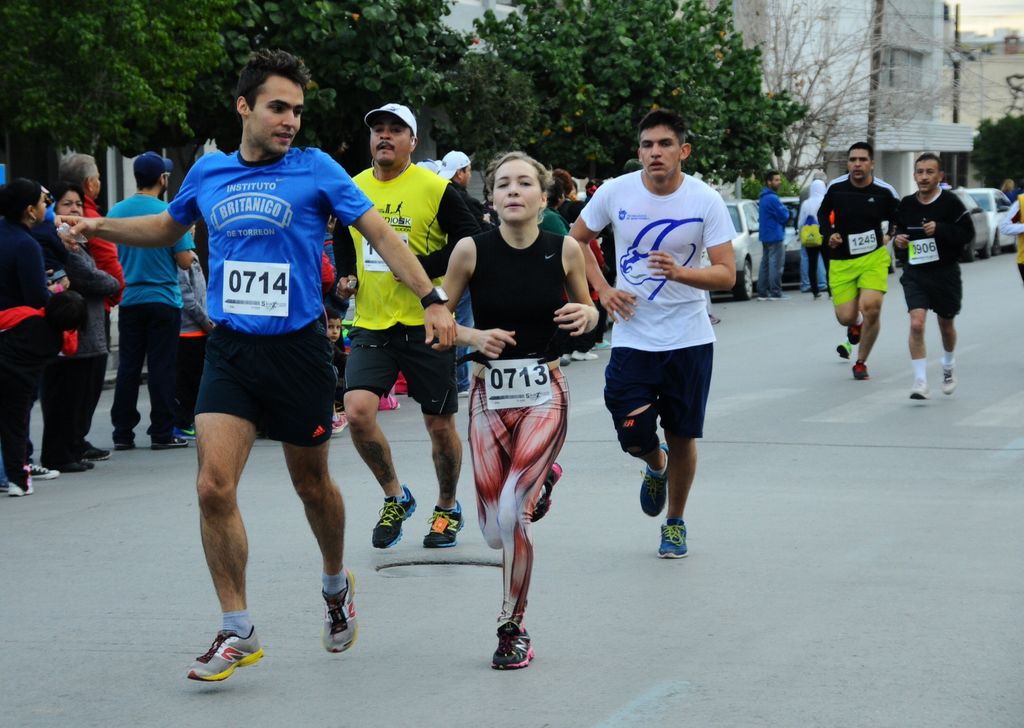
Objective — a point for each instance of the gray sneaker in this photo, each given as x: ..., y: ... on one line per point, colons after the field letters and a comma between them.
x: 948, y: 381
x: 227, y: 652
x: 340, y: 626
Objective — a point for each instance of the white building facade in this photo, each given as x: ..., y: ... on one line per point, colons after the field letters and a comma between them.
x: 835, y: 39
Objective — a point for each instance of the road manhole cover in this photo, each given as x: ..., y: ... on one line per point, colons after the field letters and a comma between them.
x: 431, y: 567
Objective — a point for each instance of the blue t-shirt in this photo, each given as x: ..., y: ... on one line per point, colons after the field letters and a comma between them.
x: 150, y: 274
x: 267, y: 224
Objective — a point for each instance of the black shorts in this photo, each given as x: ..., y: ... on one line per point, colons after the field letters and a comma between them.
x: 376, y: 357
x: 675, y: 382
x: 283, y: 384
x: 936, y: 287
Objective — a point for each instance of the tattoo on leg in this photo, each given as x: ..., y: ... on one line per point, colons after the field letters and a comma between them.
x: 376, y: 457
x: 447, y: 465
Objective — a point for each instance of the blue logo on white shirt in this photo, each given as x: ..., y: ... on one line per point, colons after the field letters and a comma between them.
x: 633, y: 263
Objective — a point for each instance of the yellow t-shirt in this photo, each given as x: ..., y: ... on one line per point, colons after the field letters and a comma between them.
x: 1020, y: 238
x: 409, y: 203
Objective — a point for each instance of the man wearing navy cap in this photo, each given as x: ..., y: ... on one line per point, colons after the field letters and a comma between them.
x: 149, y: 319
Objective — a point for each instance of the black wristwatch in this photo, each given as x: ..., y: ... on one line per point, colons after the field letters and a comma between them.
x: 436, y: 295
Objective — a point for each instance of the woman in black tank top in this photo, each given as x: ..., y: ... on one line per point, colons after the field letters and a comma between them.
x: 519, y: 398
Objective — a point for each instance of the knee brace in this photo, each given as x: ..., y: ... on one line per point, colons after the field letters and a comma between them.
x: 638, y: 434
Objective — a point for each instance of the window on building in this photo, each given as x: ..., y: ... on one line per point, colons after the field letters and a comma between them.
x: 903, y: 68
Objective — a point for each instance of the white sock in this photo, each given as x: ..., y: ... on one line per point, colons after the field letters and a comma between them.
x: 947, y: 360
x: 860, y: 318
x: 920, y: 369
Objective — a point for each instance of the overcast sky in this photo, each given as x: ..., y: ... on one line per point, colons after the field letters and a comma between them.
x: 982, y: 16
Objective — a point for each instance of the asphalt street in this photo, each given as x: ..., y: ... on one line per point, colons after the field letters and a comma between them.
x: 857, y: 559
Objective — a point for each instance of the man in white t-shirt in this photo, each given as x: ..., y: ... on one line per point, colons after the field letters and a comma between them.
x: 662, y: 342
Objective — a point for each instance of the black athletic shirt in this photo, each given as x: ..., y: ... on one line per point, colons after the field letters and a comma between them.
x: 954, y: 228
x: 519, y: 290
x: 848, y: 209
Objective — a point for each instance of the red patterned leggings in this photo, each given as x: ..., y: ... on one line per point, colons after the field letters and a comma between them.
x: 512, y: 451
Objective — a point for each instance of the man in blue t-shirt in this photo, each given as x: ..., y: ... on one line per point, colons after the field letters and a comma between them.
x: 150, y: 315
x: 268, y: 361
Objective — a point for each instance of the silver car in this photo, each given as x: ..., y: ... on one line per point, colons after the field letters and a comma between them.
x: 746, y: 246
x: 980, y: 245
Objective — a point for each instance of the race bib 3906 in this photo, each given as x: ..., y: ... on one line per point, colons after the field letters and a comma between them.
x: 922, y: 251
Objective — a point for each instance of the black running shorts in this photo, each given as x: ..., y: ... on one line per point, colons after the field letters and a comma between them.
x: 376, y: 357
x: 935, y: 287
x: 283, y: 384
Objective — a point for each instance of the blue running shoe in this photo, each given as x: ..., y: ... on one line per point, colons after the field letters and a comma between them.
x: 388, y: 530
x: 673, y: 539
x: 654, y: 490
x: 186, y: 433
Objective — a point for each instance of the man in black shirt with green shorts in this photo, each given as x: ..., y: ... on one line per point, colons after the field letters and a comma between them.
x: 855, y: 217
x: 932, y: 228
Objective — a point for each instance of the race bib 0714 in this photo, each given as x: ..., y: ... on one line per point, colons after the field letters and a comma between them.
x: 517, y: 383
x: 256, y: 289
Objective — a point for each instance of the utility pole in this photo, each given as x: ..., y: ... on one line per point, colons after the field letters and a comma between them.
x: 876, y: 68
x: 956, y: 66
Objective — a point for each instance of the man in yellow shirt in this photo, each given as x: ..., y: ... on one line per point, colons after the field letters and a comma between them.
x: 388, y: 335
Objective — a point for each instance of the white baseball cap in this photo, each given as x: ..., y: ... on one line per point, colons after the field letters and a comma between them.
x: 453, y: 161
x: 402, y: 112
x: 429, y: 164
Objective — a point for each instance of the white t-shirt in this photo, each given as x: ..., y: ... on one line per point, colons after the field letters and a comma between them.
x: 668, y: 315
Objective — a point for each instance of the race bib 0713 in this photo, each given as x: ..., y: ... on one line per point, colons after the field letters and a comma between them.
x: 517, y: 383
x: 256, y: 289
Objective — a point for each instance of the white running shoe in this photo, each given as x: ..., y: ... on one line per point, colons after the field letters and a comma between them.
x: 583, y: 356
x: 948, y: 381
x: 919, y: 390
x: 340, y: 626
x: 14, y: 490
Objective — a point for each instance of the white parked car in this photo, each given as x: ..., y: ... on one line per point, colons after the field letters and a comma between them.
x: 746, y: 246
x: 993, y: 203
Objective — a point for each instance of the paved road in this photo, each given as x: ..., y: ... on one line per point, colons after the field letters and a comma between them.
x: 857, y: 560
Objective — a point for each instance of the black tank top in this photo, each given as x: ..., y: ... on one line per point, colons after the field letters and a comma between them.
x: 519, y: 290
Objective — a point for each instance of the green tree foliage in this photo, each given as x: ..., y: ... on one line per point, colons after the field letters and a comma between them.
x: 91, y: 74
x: 599, y: 65
x: 752, y: 187
x: 361, y: 55
x: 488, y: 112
x: 999, y: 149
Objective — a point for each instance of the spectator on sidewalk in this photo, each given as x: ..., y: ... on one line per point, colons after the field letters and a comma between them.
x: 150, y: 317
x: 195, y: 326
x: 23, y: 277
x: 30, y: 337
x: 773, y: 216
x: 81, y: 170
x: 69, y: 392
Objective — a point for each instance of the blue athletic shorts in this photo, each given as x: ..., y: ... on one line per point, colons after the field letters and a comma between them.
x: 675, y: 382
